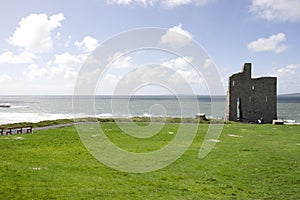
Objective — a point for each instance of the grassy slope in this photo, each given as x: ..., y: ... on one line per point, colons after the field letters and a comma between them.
x: 53, y: 164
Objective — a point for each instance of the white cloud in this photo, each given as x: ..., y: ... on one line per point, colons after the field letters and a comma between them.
x: 178, y: 81
x: 9, y: 58
x: 88, y: 44
x: 288, y: 79
x: 108, y: 83
x: 55, y: 20
x: 164, y: 3
x: 64, y: 66
x: 34, y: 32
x: 70, y: 73
x: 65, y: 63
x: 66, y: 60
x: 291, y: 68
x: 208, y: 64
x: 143, y: 3
x: 34, y: 72
x: 176, y: 37
x: 111, y: 78
x: 182, y: 67
x: 178, y: 63
x: 177, y: 74
x: 86, y: 80
x: 58, y: 35
x: 122, y: 62
x: 68, y: 41
x: 176, y: 3
x: 190, y: 76
x: 273, y: 43
x: 4, y: 77
x: 276, y: 10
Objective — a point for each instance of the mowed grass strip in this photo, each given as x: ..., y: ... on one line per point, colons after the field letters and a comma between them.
x: 249, y: 162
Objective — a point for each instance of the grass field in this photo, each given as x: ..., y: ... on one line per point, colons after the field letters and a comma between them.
x: 249, y: 162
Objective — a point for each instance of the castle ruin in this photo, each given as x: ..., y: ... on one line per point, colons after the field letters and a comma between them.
x: 251, y: 100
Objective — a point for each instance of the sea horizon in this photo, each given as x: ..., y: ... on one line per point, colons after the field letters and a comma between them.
x: 35, y: 108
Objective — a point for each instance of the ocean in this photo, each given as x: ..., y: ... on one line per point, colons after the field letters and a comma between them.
x: 39, y: 108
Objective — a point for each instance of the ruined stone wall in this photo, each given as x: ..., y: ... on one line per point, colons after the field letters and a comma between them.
x: 250, y: 99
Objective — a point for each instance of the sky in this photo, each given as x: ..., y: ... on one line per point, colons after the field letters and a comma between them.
x: 43, y: 44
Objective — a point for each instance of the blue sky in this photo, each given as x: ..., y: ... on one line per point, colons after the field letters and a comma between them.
x: 44, y: 43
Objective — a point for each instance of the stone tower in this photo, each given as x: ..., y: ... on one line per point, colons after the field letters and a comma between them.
x: 251, y: 99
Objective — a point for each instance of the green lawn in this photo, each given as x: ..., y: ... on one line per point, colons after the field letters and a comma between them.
x: 249, y: 162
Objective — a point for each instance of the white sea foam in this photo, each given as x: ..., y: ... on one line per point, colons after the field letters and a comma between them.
x: 11, y: 117
x: 105, y: 115
x: 146, y: 115
x: 18, y: 106
x: 7, y: 118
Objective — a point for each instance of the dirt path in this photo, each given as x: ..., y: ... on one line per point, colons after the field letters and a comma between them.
x: 53, y: 126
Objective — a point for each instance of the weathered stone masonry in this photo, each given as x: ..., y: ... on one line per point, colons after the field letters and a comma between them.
x: 250, y: 100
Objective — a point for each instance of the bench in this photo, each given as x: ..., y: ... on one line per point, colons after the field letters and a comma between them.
x: 16, y: 130
x: 201, y: 116
x: 278, y: 122
x: 21, y: 130
x: 8, y: 131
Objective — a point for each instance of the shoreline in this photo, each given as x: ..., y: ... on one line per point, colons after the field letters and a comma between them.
x: 44, y: 123
x: 40, y: 108
x: 57, y: 123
